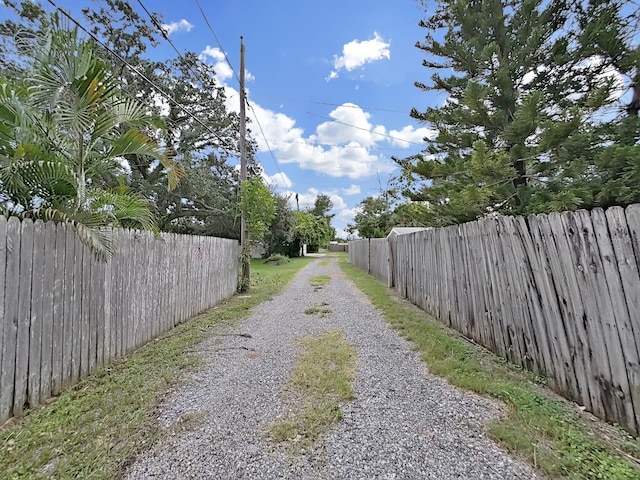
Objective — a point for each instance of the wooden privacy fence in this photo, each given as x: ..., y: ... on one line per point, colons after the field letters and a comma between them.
x: 63, y: 314
x: 338, y: 247
x: 558, y: 294
x: 371, y: 255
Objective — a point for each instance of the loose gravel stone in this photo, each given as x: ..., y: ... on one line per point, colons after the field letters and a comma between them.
x: 404, y: 424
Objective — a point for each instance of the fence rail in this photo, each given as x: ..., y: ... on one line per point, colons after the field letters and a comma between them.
x: 63, y: 315
x: 558, y: 294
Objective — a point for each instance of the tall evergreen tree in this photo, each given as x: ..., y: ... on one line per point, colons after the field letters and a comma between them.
x: 527, y: 83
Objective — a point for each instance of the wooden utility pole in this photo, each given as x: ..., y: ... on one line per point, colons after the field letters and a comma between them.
x: 244, y: 233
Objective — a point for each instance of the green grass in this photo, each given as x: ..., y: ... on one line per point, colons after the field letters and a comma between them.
x: 319, y: 310
x: 322, y: 378
x: 93, y: 429
x: 319, y: 281
x: 540, y: 428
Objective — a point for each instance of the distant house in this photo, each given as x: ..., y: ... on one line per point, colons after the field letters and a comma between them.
x: 395, y: 231
x: 391, y: 242
x: 258, y: 251
x: 338, y: 247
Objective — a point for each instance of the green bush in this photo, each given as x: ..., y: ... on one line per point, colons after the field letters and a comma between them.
x: 277, y: 259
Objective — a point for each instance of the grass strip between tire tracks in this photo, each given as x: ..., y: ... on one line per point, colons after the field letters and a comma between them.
x: 93, y: 429
x: 539, y: 427
x: 322, y: 378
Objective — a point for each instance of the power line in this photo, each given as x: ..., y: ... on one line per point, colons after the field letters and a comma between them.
x: 217, y: 40
x: 323, y: 144
x: 365, y: 129
x: 317, y: 102
x: 275, y: 161
x: 140, y: 74
x: 164, y: 34
x: 226, y: 57
x: 192, y: 67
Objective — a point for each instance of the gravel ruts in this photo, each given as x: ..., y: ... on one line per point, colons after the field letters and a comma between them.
x: 404, y: 424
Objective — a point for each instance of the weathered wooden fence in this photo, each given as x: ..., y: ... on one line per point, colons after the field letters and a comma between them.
x: 558, y: 294
x: 338, y: 247
x: 371, y: 255
x: 63, y: 314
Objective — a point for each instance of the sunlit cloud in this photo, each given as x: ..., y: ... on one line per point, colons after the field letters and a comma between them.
x: 358, y: 53
x: 179, y: 26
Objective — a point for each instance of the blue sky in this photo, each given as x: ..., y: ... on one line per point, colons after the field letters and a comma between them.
x: 331, y: 84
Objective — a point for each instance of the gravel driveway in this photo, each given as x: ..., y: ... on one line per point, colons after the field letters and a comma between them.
x: 404, y: 424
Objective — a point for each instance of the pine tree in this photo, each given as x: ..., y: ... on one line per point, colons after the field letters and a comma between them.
x: 527, y: 83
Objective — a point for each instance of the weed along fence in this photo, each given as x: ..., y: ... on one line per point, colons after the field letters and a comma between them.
x: 558, y: 294
x: 63, y: 314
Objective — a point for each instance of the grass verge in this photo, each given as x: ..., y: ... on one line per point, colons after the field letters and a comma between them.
x: 94, y: 428
x: 538, y: 426
x: 322, y: 378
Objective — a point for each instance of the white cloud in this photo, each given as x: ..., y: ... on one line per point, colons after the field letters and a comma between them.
x: 532, y: 74
x: 346, y: 151
x: 336, y: 200
x: 356, y: 54
x: 352, y: 190
x: 337, y: 161
x: 348, y: 214
x: 332, y: 75
x: 348, y: 155
x: 220, y: 65
x: 179, y: 26
x: 341, y: 233
x: 411, y: 135
x: 359, y: 129
x: 609, y: 74
x: 280, y: 180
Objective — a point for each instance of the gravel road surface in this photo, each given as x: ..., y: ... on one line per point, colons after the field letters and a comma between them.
x: 404, y: 424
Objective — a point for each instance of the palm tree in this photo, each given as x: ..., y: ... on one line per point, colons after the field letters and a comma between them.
x: 64, y: 132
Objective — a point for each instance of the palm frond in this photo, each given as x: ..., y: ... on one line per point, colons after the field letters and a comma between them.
x: 134, y: 142
x: 125, y: 208
x: 34, y: 181
x: 88, y: 226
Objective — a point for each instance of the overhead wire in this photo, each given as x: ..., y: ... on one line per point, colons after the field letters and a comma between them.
x: 255, y: 116
x: 345, y: 105
x: 316, y: 102
x: 364, y: 129
x: 204, y: 16
x: 140, y: 74
x: 309, y: 113
x: 164, y: 34
x: 324, y: 144
x: 192, y: 67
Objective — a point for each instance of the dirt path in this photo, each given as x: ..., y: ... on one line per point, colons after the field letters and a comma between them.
x: 404, y: 424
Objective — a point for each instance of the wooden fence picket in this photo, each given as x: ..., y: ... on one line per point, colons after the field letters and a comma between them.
x: 24, y: 317
x: 36, y: 315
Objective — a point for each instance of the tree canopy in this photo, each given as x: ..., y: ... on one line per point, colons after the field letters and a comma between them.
x: 180, y: 106
x: 532, y: 120
x: 65, y: 126
x: 312, y: 230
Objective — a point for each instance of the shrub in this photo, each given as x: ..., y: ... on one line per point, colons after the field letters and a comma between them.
x: 277, y: 259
